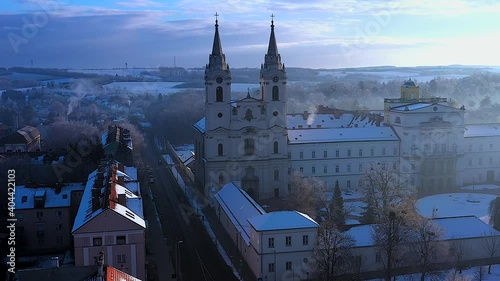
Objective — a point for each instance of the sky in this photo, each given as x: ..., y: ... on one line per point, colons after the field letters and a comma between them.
x: 313, y: 34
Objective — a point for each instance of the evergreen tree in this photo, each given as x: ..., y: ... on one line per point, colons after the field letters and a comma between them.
x: 369, y: 214
x: 494, y: 209
x: 337, y: 207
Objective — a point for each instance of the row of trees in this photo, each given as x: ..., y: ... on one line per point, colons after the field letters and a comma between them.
x: 401, y: 235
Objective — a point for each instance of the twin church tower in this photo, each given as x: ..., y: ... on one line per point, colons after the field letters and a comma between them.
x: 244, y: 139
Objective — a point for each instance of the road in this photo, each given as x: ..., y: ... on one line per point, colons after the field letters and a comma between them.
x: 200, y: 259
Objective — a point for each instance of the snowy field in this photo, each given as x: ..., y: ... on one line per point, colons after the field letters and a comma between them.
x: 169, y: 88
x: 145, y: 87
x: 456, y: 204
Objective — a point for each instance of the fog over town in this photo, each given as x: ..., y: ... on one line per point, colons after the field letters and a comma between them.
x: 180, y: 140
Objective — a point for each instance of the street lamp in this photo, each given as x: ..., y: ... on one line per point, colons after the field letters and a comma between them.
x: 178, y: 260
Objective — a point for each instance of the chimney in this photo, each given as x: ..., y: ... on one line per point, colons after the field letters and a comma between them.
x: 305, y: 115
x: 121, y: 167
x: 98, y: 184
x: 58, y: 187
x: 55, y: 262
x: 96, y: 192
x: 121, y: 180
x: 122, y: 199
x: 96, y: 204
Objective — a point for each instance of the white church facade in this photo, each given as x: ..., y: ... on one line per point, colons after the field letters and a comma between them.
x: 254, y: 140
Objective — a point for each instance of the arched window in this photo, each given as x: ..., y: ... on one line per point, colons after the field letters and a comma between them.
x: 276, y: 175
x: 275, y: 147
x: 220, y: 149
x: 398, y: 120
x: 221, y: 178
x: 276, y: 93
x: 219, y: 94
x: 454, y: 147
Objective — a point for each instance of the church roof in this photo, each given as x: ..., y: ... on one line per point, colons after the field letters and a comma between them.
x: 341, y: 135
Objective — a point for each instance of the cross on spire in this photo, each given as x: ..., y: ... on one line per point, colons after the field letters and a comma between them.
x: 216, y: 17
x: 272, y: 19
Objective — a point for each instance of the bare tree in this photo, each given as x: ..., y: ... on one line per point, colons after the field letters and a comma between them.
x: 383, y: 188
x: 457, y: 250
x: 491, y: 243
x: 392, y: 232
x: 306, y: 194
x: 331, y: 252
x: 427, y: 247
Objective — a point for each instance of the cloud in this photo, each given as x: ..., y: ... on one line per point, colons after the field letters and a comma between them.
x: 140, y: 4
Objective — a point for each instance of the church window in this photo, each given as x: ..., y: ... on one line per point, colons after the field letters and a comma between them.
x: 372, y: 151
x: 325, y: 169
x: 435, y: 150
x: 443, y: 148
x: 220, y: 149
x: 276, y: 175
x: 337, y: 153
x: 398, y: 120
x: 360, y: 167
x: 249, y: 146
x: 413, y: 166
x: 413, y: 150
x: 313, y: 170
x: 219, y: 115
x: 313, y: 154
x: 348, y: 184
x: 276, y: 95
x: 454, y: 147
x: 275, y: 113
x: 301, y: 170
x: 360, y: 152
x: 348, y: 153
x: 490, y: 161
x: 337, y: 168
x: 395, y: 151
x: 394, y: 166
x: 301, y: 155
x: 275, y: 147
x: 325, y: 154
x: 427, y: 148
x: 348, y: 168
x: 383, y: 151
x: 219, y: 94
x: 221, y: 178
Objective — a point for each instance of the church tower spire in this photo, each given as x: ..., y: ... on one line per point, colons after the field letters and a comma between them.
x: 272, y: 58
x: 217, y: 59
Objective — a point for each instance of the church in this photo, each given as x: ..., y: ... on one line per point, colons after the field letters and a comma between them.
x: 254, y: 141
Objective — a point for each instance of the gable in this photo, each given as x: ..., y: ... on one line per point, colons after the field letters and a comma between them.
x: 108, y: 220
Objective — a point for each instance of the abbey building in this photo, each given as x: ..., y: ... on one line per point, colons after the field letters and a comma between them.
x: 255, y: 141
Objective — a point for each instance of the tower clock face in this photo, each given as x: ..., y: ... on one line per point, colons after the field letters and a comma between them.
x: 275, y: 79
x: 219, y: 79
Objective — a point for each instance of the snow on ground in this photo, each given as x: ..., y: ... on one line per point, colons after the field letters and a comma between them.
x: 470, y: 274
x: 481, y: 187
x: 456, y: 204
x: 145, y: 87
x: 354, y: 208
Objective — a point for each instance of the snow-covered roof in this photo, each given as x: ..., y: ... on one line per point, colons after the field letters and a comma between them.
x: 104, y: 138
x: 453, y: 228
x: 362, y: 235
x: 200, y: 125
x: 282, y: 220
x: 25, y: 196
x: 465, y: 227
x: 410, y: 107
x: 482, y: 130
x: 133, y: 209
x: 314, y: 120
x: 239, y: 207
x: 341, y: 135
